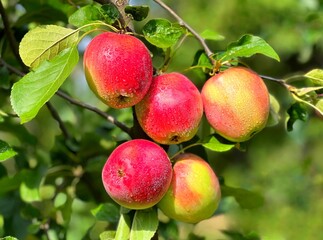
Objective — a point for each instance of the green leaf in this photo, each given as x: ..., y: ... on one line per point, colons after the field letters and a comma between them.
x: 249, y: 45
x: 110, y: 13
x: 319, y: 105
x: 316, y: 76
x: 6, y: 151
x: 162, y: 33
x: 138, y: 13
x: 107, y: 235
x: 10, y: 183
x: 296, y: 112
x: 32, y: 91
x: 44, y: 43
x: 214, y: 144
x: 123, y: 230
x: 9, y: 238
x: 86, y: 15
x: 106, y: 212
x: 145, y: 224
x: 29, y: 188
x: 274, y: 116
x: 245, y: 198
x: 211, y: 35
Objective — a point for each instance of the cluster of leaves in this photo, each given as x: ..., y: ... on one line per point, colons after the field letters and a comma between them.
x: 55, y: 186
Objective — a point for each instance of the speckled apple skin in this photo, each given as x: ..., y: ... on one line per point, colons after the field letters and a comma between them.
x: 118, y: 69
x: 194, y: 193
x: 171, y: 111
x: 236, y: 103
x: 137, y: 174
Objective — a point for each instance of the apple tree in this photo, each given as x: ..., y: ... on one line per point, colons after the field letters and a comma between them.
x: 112, y: 114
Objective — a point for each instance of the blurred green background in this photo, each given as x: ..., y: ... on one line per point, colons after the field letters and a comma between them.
x: 286, y: 168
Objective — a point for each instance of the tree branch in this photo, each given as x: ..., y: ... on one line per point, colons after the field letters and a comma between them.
x: 207, y: 50
x: 108, y: 117
x: 12, y: 40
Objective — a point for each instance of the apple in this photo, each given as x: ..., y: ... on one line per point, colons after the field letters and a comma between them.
x: 137, y: 174
x: 171, y: 111
x: 236, y: 103
x: 118, y: 69
x: 194, y: 193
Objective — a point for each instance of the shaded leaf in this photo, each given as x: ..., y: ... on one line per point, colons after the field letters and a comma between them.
x: 245, y: 198
x: 106, y: 212
x: 85, y: 15
x: 162, y: 33
x: 316, y: 76
x: 32, y: 91
x: 6, y: 151
x: 214, y: 144
x: 211, y: 35
x: 296, y: 112
x: 138, y: 13
x: 249, y: 45
x: 110, y: 13
x: 44, y: 43
x: 145, y: 224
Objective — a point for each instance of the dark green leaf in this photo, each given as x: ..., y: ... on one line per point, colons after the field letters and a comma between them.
x: 138, y: 13
x: 110, y: 13
x: 162, y: 33
x: 316, y: 76
x: 145, y: 224
x: 106, y: 212
x: 6, y: 151
x: 86, y: 15
x: 216, y: 145
x: 296, y: 112
x: 30, y: 93
x: 245, y: 198
x: 235, y: 235
x: 10, y: 183
x: 249, y: 45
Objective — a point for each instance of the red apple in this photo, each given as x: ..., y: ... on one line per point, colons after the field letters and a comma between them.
x: 194, y: 193
x: 236, y: 103
x: 137, y: 174
x: 118, y: 69
x: 171, y: 111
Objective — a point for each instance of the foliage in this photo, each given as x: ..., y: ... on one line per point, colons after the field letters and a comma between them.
x: 55, y: 136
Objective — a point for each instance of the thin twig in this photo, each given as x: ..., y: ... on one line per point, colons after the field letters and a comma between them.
x: 108, y: 117
x: 11, y: 38
x: 207, y: 50
x: 60, y: 122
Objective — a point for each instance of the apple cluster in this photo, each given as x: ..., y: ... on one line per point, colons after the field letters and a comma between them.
x: 169, y: 107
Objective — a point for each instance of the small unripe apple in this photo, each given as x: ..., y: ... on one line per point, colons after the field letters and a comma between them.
x: 194, y: 193
x: 137, y: 174
x: 236, y: 103
x: 171, y: 111
x: 118, y: 69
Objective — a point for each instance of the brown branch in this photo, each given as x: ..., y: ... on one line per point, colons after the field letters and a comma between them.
x: 108, y: 117
x: 207, y: 50
x: 11, y: 38
x: 58, y: 119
